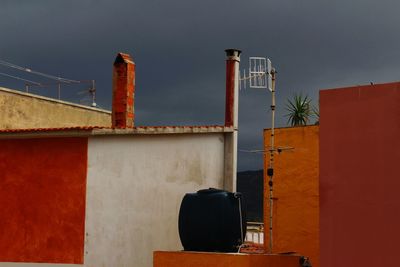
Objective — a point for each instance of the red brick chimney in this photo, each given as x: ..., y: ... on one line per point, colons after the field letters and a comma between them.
x: 123, y: 114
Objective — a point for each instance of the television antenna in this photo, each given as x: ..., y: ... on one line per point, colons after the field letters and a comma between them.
x: 261, y: 75
x: 57, y: 80
x: 89, y: 94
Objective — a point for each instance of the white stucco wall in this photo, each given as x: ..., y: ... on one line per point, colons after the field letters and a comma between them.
x: 134, y: 189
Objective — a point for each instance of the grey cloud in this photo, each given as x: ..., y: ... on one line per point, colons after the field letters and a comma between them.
x: 178, y: 48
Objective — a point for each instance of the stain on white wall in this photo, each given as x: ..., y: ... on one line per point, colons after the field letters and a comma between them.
x: 134, y: 189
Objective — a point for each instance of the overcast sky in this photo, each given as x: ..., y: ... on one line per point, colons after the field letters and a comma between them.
x: 178, y: 48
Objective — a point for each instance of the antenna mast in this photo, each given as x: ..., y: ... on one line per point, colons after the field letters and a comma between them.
x: 270, y: 170
x: 262, y: 75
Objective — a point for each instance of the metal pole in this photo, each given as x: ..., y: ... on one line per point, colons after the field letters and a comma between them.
x: 59, y: 91
x: 93, y: 92
x: 270, y: 170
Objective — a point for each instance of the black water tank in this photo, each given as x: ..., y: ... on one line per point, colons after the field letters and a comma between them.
x: 212, y: 220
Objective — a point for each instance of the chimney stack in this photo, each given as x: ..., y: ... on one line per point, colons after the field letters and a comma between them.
x: 123, y: 92
x: 231, y: 118
x: 232, y: 87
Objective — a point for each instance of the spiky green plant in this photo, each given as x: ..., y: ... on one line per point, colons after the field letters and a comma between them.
x: 315, y: 113
x: 299, y: 110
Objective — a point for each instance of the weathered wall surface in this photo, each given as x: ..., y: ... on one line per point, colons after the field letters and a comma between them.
x: 296, y: 192
x: 359, y: 178
x: 42, y: 200
x: 109, y: 203
x: 20, y: 110
x: 135, y: 187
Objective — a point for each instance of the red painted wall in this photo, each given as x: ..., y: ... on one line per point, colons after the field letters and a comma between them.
x: 359, y: 176
x: 42, y: 200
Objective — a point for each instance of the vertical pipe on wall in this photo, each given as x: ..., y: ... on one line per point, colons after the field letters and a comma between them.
x: 231, y: 117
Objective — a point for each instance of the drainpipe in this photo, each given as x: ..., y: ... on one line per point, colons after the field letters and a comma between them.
x: 231, y: 117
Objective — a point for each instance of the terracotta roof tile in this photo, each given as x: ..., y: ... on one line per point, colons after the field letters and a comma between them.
x: 252, y: 248
x: 58, y: 129
x: 90, y: 128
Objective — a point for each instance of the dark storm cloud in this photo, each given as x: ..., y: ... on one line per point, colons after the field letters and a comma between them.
x: 178, y: 48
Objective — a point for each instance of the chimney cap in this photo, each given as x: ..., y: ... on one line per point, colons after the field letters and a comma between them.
x: 123, y: 58
x: 233, y: 52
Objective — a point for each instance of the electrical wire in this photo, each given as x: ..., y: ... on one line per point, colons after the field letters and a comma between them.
x: 19, y: 78
x: 242, y: 237
x: 60, y: 79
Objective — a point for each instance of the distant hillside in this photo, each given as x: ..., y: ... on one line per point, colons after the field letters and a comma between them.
x: 251, y: 184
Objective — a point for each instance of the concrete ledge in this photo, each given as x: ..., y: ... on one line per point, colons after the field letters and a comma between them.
x: 210, y: 259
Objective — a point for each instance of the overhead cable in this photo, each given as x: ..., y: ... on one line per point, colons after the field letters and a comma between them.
x: 60, y: 79
x: 19, y: 78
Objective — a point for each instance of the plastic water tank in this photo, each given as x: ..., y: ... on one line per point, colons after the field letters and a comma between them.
x: 212, y: 220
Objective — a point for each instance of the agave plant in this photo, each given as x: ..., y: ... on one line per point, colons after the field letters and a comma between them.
x: 299, y: 110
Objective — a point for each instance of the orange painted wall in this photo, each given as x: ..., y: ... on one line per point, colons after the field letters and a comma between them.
x: 296, y: 192
x: 209, y: 259
x: 42, y: 200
